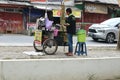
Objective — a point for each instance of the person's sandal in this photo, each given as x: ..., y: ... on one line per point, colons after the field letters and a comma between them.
x: 69, y: 54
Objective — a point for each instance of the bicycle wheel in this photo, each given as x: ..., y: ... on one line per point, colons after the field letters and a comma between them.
x: 37, y: 46
x: 50, y: 46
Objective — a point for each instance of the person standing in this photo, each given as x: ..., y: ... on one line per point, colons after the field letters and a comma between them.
x: 70, y: 29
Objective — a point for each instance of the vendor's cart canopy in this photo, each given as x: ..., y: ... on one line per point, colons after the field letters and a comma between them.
x: 57, y: 2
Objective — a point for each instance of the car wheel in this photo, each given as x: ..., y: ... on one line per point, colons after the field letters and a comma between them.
x: 110, y: 38
x: 95, y: 39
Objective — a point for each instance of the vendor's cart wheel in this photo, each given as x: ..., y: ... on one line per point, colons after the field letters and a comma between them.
x: 50, y: 46
x: 37, y: 46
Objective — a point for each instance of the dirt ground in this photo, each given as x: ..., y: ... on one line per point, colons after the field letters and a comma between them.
x: 92, y: 52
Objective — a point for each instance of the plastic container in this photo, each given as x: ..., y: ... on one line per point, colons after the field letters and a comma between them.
x: 81, y: 35
x: 56, y: 32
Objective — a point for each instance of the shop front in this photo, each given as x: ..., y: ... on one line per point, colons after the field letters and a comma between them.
x: 11, y: 22
x: 12, y: 18
x: 92, y: 13
x: 95, y: 13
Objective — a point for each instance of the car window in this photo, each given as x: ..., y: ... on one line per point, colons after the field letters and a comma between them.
x: 111, y: 22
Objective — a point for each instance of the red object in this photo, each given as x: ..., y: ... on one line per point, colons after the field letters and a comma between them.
x: 11, y: 21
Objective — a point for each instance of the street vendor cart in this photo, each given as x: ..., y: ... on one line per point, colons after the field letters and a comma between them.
x: 50, y: 37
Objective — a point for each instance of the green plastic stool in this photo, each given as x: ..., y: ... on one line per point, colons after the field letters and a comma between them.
x: 81, y: 35
x: 81, y: 48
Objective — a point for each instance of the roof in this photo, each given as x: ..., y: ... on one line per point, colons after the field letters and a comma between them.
x: 56, y: 8
x: 14, y: 2
x: 102, y: 1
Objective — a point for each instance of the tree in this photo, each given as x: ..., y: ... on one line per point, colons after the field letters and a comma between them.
x: 118, y: 43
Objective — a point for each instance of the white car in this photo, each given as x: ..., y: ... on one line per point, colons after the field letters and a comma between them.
x: 107, y: 30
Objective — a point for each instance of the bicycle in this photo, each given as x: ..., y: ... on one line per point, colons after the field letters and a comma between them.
x: 48, y: 44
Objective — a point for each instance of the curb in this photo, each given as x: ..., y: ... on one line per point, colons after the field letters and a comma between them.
x: 60, y: 69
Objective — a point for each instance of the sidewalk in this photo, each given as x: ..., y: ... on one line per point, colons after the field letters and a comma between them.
x: 14, y: 46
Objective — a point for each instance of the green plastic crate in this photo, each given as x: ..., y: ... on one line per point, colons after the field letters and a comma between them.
x: 81, y: 35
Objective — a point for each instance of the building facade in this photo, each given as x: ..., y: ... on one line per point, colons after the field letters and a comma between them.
x: 12, y: 16
x: 96, y: 11
x: 17, y: 16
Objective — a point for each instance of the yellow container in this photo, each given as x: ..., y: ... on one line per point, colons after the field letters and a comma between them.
x: 38, y: 35
x: 81, y: 35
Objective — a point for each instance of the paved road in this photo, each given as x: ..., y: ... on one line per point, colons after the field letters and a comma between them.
x: 25, y: 40
x: 16, y: 40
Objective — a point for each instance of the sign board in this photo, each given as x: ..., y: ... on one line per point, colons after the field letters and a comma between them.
x: 76, y: 13
x: 96, y: 8
x: 38, y: 36
x: 31, y: 26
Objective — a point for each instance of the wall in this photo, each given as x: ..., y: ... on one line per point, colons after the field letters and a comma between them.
x: 60, y: 69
